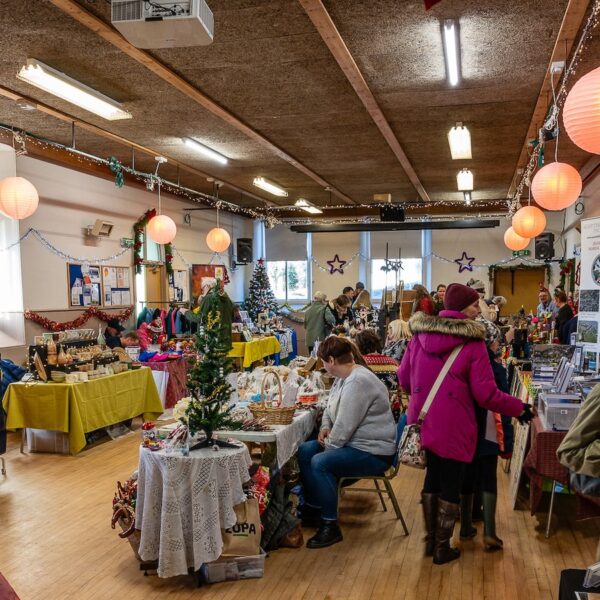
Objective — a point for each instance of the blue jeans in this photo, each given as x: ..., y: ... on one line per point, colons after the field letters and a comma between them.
x: 320, y: 470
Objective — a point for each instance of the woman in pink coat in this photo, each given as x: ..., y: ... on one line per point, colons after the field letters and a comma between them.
x: 449, y: 431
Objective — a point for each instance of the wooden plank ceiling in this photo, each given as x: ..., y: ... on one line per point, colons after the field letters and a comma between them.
x: 275, y: 98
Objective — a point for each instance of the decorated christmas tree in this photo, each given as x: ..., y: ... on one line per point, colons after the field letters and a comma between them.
x: 260, y: 295
x: 207, y: 408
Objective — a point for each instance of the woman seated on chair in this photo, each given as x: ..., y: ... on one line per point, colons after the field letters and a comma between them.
x: 356, y: 439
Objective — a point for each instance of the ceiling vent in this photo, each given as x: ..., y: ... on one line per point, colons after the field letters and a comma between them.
x: 162, y: 23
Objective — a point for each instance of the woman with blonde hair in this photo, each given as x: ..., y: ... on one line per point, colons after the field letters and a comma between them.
x: 398, y: 336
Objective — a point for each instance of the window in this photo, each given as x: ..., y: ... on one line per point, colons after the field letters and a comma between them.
x: 151, y: 249
x: 411, y: 274
x: 289, y: 279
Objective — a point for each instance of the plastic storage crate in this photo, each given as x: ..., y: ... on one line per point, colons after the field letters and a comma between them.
x: 232, y: 568
x: 45, y: 440
x: 558, y: 416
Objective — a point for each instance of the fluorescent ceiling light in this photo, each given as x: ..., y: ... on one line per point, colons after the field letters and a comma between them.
x: 263, y: 184
x: 308, y: 207
x: 54, y: 82
x: 459, y: 139
x: 205, y: 150
x: 464, y: 179
x: 451, y: 41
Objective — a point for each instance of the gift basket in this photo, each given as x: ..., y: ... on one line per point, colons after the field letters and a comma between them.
x: 270, y: 409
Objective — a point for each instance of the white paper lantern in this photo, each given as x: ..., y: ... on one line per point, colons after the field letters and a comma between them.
x: 162, y: 229
x: 18, y: 198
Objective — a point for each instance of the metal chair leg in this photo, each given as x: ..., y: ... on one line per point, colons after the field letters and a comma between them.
x: 394, y: 500
x: 547, y: 534
x: 379, y: 493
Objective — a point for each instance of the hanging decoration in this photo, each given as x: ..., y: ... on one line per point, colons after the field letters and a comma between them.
x: 523, y: 266
x: 169, y: 259
x: 117, y: 168
x: 161, y: 228
x: 18, y: 197
x: 218, y: 239
x: 556, y: 186
x: 580, y: 113
x: 93, y: 311
x: 336, y: 265
x: 346, y: 263
x: 529, y: 222
x: 513, y: 241
x: 567, y: 269
x: 138, y: 232
x: 465, y: 262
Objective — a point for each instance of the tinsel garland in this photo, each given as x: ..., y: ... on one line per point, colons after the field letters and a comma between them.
x: 92, y: 311
x: 138, y: 232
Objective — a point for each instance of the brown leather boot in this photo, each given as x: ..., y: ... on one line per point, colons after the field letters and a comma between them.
x: 447, y: 514
x: 429, y: 502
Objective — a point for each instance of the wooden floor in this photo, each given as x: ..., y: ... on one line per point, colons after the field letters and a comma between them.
x: 57, y: 544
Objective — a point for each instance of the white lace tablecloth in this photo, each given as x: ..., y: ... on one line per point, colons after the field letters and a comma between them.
x: 183, y: 502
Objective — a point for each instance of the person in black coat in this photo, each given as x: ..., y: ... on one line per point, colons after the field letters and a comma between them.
x: 565, y: 314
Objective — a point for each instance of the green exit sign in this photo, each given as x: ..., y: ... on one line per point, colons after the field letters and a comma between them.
x: 521, y: 252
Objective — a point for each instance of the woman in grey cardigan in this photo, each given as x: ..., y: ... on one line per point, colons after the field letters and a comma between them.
x: 357, y: 438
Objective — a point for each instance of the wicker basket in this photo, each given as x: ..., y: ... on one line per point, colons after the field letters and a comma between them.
x: 272, y: 415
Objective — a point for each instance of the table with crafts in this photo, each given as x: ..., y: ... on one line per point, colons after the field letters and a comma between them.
x: 183, y: 502
x: 257, y: 349
x: 78, y: 408
x: 175, y: 371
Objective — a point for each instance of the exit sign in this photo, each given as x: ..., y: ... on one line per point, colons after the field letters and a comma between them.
x: 521, y: 252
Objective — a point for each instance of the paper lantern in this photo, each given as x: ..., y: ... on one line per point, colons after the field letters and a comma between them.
x: 556, y: 186
x: 162, y: 229
x: 581, y: 112
x: 514, y: 241
x: 18, y: 198
x: 529, y: 222
x: 218, y: 239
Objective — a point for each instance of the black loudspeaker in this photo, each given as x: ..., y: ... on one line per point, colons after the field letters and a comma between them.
x: 544, y: 246
x: 244, y: 250
x: 391, y: 213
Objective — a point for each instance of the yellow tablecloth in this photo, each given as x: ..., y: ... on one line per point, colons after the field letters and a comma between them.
x: 255, y: 350
x: 77, y: 408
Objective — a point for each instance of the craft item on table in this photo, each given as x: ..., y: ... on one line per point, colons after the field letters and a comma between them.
x: 290, y: 388
x: 310, y: 390
x: 177, y: 441
x: 255, y: 425
x: 123, y: 505
x: 149, y: 437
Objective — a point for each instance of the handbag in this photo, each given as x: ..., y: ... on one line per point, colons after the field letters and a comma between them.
x: 243, y: 538
x: 410, y: 450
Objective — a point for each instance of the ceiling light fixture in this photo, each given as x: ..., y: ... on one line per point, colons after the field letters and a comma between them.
x: 459, y: 139
x: 450, y: 37
x: 54, y: 82
x: 205, y: 150
x: 308, y: 207
x: 464, y: 179
x: 263, y: 184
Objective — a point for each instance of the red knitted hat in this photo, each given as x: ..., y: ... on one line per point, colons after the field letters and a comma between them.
x: 459, y: 296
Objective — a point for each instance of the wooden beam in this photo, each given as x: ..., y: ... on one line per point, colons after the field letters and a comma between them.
x: 567, y: 34
x: 106, y: 32
x: 331, y: 36
x: 48, y: 110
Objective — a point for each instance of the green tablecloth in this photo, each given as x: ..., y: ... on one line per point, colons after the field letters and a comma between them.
x: 77, y: 408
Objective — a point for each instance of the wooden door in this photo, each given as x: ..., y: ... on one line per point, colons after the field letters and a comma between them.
x: 155, y: 286
x: 520, y: 287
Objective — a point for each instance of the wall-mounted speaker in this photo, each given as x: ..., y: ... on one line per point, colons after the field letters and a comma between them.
x: 244, y: 250
x: 544, y: 246
x: 391, y: 213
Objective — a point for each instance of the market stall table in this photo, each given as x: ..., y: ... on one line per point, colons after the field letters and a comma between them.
x: 255, y: 350
x: 184, y: 502
x: 78, y: 408
x: 286, y: 437
x: 177, y: 370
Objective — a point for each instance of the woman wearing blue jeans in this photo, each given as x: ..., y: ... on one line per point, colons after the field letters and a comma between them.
x: 356, y: 439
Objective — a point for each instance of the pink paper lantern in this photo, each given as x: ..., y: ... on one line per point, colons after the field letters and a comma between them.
x: 556, y: 186
x: 581, y: 113
x: 18, y: 197
x: 529, y: 222
x: 514, y: 241
x: 162, y: 229
x: 218, y: 239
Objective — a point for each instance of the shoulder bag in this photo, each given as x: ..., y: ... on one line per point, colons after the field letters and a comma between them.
x: 410, y: 450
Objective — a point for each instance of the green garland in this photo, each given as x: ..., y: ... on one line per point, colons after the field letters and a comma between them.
x: 138, y: 233
x: 567, y: 267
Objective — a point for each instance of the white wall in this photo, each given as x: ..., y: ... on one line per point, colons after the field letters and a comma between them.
x: 70, y: 201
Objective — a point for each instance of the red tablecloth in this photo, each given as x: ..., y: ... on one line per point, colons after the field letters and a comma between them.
x: 541, y: 462
x: 176, y: 386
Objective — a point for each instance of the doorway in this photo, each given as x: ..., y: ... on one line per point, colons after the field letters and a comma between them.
x: 520, y: 287
x: 156, y: 292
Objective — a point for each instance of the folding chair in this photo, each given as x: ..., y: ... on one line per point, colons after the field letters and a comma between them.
x: 386, y: 479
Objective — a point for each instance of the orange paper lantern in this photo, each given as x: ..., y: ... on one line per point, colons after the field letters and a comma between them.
x: 514, y: 241
x: 556, y: 186
x: 18, y: 197
x: 529, y: 222
x: 581, y: 113
x: 162, y: 229
x: 218, y: 239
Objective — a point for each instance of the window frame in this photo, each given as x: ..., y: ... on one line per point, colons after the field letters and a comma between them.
x: 287, y: 298
x: 375, y: 295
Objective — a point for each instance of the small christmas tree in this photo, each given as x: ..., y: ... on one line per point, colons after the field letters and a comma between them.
x: 207, y: 408
x: 260, y: 295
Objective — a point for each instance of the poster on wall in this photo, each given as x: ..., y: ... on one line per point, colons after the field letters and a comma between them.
x: 202, y: 272
x: 84, y: 285
x: 179, y: 286
x: 116, y: 286
x: 589, y: 296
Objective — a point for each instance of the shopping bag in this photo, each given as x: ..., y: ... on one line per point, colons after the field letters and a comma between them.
x: 411, y: 452
x: 243, y: 539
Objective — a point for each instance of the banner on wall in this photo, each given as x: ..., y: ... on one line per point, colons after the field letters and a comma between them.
x: 589, y: 295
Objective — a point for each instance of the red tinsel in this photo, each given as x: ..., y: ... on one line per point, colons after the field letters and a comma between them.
x: 93, y: 311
